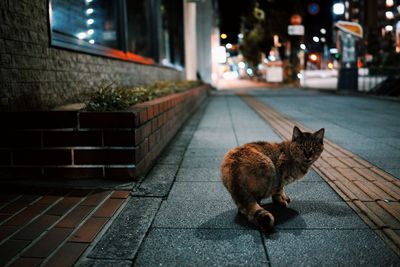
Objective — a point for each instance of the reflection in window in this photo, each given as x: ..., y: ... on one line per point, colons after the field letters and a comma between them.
x: 137, y: 30
x: 139, y: 27
x: 92, y: 21
x: 171, y: 32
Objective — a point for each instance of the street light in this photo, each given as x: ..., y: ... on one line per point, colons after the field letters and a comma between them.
x: 338, y: 9
x: 315, y: 39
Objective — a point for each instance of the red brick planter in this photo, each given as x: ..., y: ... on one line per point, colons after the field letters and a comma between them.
x: 80, y: 144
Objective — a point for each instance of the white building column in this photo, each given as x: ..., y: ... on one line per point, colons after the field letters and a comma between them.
x: 189, y: 10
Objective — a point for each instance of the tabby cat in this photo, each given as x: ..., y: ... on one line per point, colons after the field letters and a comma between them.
x: 260, y: 169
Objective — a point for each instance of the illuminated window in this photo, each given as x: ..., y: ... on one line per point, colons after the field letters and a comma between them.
x: 92, y: 22
x: 140, y: 30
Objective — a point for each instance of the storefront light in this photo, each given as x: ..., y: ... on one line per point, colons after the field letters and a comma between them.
x: 89, y: 11
x: 389, y: 3
x: 389, y: 14
x: 90, y: 31
x: 388, y: 28
x: 91, y: 41
x: 90, y: 21
x: 81, y: 35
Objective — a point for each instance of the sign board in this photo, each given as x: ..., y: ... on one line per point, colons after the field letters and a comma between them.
x: 296, y: 30
x: 274, y: 74
x: 352, y: 28
x: 348, y: 48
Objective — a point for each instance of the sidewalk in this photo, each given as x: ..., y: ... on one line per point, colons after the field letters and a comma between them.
x: 181, y: 215
x: 190, y: 219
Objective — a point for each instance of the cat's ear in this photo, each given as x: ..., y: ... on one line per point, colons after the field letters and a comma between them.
x: 296, y: 133
x: 320, y: 135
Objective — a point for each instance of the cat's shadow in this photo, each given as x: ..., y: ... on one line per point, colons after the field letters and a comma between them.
x: 283, y: 218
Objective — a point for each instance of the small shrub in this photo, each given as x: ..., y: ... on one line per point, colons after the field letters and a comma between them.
x: 112, y: 97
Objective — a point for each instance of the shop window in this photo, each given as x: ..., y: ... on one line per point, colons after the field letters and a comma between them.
x: 145, y: 31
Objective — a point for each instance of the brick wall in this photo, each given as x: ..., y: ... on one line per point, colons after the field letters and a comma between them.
x: 34, y: 75
x: 77, y: 144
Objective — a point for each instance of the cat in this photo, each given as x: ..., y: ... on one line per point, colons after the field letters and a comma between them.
x: 259, y: 170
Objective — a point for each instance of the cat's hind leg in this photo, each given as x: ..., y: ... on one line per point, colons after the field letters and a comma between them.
x: 249, y: 207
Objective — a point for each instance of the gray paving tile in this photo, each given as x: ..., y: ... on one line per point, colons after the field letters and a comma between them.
x: 311, y: 191
x: 172, y: 155
x: 329, y: 248
x: 200, y: 191
x: 206, y: 152
x: 158, y: 182
x: 182, y: 138
x: 388, y: 162
x: 202, y: 162
x: 312, y: 176
x: 214, y: 143
x: 104, y: 263
x: 316, y: 215
x: 198, y: 175
x: 202, y: 247
x: 122, y: 240
x: 200, y: 214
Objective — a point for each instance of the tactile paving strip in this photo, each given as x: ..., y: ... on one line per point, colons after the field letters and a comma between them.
x: 370, y: 191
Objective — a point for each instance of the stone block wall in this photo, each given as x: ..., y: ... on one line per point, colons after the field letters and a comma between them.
x: 36, y: 76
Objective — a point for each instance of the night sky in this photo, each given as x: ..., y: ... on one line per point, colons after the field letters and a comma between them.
x: 231, y: 12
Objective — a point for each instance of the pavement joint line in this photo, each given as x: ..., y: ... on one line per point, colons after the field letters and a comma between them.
x: 100, y: 234
x: 264, y: 243
x: 147, y: 233
x: 345, y: 176
x: 231, y: 120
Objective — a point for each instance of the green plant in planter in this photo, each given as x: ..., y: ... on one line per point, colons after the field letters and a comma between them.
x: 112, y: 97
x: 107, y: 98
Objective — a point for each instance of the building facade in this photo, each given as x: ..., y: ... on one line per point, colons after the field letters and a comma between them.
x: 54, y: 52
